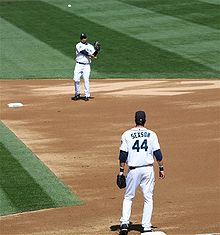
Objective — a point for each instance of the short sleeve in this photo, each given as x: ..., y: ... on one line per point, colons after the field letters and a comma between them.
x: 155, y: 142
x: 124, y: 146
x: 79, y: 47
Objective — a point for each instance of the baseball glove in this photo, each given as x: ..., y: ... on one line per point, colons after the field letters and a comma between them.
x: 121, y: 181
x: 97, y: 46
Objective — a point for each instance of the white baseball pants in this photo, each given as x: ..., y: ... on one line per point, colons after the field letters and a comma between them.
x: 84, y: 71
x: 143, y: 176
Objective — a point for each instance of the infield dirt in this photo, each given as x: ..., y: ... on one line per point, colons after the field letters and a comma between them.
x: 79, y: 141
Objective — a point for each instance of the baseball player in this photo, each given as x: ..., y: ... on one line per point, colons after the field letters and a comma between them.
x: 84, y: 53
x: 138, y: 148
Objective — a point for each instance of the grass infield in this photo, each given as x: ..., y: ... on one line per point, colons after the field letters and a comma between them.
x: 26, y: 184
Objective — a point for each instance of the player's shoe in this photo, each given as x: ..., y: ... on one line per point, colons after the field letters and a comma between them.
x: 123, y: 229
x: 146, y: 230
x: 76, y: 97
x: 86, y: 99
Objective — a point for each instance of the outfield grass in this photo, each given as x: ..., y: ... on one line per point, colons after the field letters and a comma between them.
x: 26, y: 56
x: 26, y: 184
x: 140, y: 38
x: 203, y: 13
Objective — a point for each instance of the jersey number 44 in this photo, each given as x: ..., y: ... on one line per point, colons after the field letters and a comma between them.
x: 140, y: 145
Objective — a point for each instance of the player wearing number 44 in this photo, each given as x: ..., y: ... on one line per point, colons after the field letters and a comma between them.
x: 139, y: 147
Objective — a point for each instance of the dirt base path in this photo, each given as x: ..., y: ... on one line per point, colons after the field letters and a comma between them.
x: 79, y: 141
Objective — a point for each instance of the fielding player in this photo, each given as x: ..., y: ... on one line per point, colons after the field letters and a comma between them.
x: 84, y: 53
x: 138, y: 148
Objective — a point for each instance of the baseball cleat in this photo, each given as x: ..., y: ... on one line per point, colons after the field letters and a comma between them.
x: 86, y: 99
x: 76, y: 97
x: 123, y: 229
x: 146, y: 230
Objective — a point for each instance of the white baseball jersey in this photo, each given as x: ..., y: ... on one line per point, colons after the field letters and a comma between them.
x: 81, y: 57
x: 140, y: 143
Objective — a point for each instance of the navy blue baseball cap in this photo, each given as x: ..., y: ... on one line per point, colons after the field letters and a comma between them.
x: 83, y: 35
x: 140, y: 117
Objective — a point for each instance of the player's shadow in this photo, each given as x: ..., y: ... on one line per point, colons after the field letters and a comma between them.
x: 132, y: 227
x: 83, y: 97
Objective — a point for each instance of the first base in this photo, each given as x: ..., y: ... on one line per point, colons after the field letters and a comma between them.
x: 154, y: 233
x: 15, y: 105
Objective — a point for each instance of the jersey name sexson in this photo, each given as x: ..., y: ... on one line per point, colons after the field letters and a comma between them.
x: 140, y: 134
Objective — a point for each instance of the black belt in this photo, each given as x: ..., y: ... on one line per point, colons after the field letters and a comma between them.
x: 134, y: 167
x: 82, y: 63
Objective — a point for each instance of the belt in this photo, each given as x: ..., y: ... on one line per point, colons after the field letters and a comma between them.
x: 82, y: 63
x: 134, y: 167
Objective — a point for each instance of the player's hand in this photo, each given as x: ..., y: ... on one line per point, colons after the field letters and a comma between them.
x: 161, y: 175
x: 92, y: 56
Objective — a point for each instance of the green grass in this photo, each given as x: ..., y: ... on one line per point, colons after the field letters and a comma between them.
x: 203, y: 13
x: 23, y: 192
x: 26, y: 184
x: 26, y: 56
x: 143, y: 38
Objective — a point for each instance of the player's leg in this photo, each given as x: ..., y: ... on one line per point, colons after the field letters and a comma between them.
x: 132, y: 182
x: 77, y: 75
x: 86, y: 75
x: 147, y: 186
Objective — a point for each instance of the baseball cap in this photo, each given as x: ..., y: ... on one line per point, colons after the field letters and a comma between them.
x: 83, y: 35
x: 140, y: 117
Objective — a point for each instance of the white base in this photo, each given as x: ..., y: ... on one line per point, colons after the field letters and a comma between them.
x: 15, y: 105
x: 154, y: 233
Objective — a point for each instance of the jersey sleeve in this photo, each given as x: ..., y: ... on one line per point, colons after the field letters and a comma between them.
x: 155, y: 142
x: 80, y: 47
x: 77, y: 48
x: 124, y: 145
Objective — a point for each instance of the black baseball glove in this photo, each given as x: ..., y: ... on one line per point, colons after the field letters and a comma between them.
x: 121, y: 181
x: 97, y: 46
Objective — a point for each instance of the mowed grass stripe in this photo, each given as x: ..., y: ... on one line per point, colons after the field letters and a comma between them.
x: 19, y: 187
x: 217, y: 2
x: 6, y: 205
x: 200, y: 43
x: 36, y: 184
x: 122, y: 55
x: 203, y: 13
x: 24, y: 56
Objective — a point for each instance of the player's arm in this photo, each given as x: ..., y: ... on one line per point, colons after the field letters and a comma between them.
x: 95, y: 53
x: 122, y: 160
x: 97, y: 47
x: 123, y: 154
x: 159, y: 157
x: 93, y: 56
x: 84, y: 52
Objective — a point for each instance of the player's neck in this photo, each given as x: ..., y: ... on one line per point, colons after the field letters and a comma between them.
x: 139, y: 126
